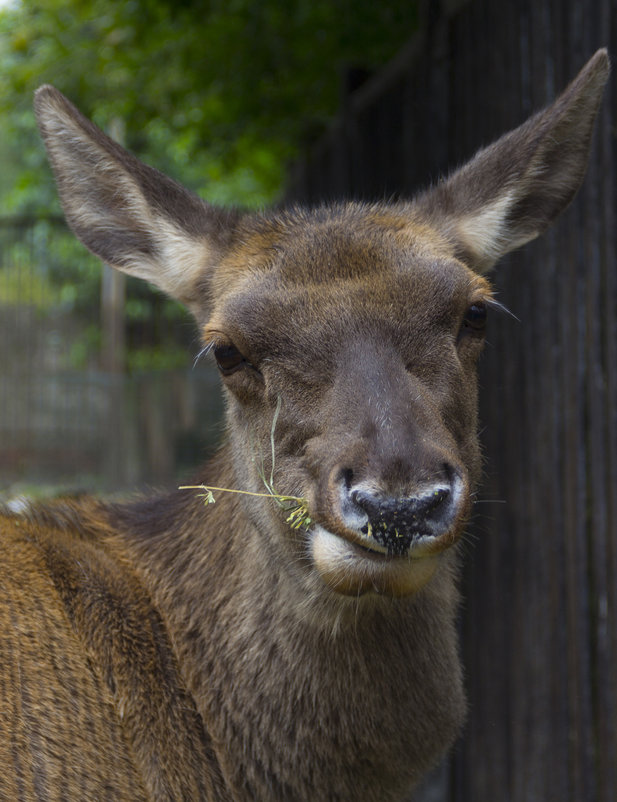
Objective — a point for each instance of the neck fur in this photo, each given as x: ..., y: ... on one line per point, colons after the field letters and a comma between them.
x: 296, y: 684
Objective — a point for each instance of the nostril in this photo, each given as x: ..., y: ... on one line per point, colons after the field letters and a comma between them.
x: 348, y: 479
x: 427, y: 504
x: 367, y: 502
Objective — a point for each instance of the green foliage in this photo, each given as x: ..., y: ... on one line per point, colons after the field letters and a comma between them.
x: 85, y: 348
x: 38, y: 292
x: 220, y: 95
x: 44, y: 266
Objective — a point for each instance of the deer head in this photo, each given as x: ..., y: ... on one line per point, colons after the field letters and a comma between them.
x: 347, y: 336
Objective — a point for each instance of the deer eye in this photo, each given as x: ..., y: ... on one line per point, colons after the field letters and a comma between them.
x: 474, y: 322
x: 228, y: 359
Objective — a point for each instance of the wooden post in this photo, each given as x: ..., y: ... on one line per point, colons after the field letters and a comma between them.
x: 112, y: 320
x: 113, y: 293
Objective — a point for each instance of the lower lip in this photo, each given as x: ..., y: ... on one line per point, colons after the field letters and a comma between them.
x: 352, y: 569
x: 366, y: 551
x: 372, y: 550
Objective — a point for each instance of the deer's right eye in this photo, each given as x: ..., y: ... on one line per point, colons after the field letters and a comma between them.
x: 228, y: 359
x: 474, y: 322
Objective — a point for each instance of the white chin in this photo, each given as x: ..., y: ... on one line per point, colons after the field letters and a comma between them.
x: 352, y: 570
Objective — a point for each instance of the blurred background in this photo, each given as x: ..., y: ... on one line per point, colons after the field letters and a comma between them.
x: 254, y: 103
x: 97, y: 387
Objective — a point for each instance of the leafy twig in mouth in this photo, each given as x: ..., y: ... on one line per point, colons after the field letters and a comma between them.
x: 296, y: 506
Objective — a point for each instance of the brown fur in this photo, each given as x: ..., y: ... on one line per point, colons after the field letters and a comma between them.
x: 164, y: 650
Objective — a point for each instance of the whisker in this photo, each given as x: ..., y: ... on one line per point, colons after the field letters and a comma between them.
x: 494, y: 304
x: 490, y: 501
x: 205, y: 350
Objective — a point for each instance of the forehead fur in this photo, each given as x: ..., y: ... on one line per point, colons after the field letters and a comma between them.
x: 344, y: 241
x: 344, y: 263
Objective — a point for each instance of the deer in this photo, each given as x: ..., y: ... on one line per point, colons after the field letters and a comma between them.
x: 295, y: 640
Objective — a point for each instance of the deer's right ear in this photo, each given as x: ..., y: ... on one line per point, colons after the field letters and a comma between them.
x: 511, y: 191
x: 128, y: 214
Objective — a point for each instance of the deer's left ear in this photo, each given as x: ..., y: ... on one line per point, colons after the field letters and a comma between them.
x: 510, y: 192
x: 128, y: 214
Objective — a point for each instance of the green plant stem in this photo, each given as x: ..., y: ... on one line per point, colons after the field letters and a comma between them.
x: 211, y: 488
x: 298, y: 515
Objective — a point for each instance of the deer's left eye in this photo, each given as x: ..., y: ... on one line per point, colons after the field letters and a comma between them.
x: 474, y: 322
x: 228, y: 359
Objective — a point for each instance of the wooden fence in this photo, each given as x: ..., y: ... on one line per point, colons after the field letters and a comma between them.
x: 57, y: 415
x: 540, y: 616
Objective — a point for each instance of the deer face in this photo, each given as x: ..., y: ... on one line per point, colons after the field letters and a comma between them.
x: 364, y: 331
x: 347, y: 337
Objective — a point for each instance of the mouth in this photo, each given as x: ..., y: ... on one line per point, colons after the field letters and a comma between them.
x: 363, y: 565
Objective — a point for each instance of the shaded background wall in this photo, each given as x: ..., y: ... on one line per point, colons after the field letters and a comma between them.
x: 540, y: 617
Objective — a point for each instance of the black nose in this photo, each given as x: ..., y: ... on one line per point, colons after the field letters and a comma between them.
x: 395, y: 522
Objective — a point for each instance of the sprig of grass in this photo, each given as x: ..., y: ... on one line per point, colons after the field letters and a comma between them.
x: 296, y: 507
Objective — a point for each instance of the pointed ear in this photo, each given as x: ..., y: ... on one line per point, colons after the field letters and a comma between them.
x: 129, y: 215
x: 510, y: 192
